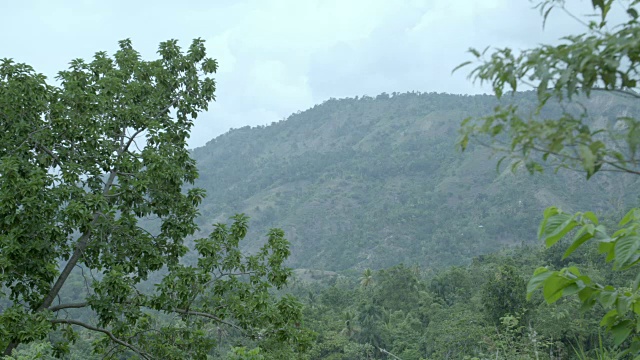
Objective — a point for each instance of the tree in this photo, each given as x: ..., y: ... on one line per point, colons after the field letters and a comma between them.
x: 367, y: 278
x: 505, y: 294
x: 604, y: 59
x: 82, y: 166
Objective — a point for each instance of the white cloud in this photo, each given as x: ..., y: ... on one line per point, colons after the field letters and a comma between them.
x: 280, y: 56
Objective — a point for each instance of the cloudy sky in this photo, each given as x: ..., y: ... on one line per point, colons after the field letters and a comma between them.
x: 280, y: 56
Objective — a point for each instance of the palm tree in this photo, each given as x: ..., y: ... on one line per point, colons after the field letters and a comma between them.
x: 367, y: 278
x: 349, y: 329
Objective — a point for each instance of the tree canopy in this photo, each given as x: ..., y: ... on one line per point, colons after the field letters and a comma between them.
x: 82, y: 163
x: 604, y: 58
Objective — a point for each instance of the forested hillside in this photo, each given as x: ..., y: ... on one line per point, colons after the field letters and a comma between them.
x: 373, y: 182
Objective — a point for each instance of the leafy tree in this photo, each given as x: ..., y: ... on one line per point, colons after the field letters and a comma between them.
x: 398, y: 289
x: 451, y: 285
x: 505, y: 294
x: 81, y: 164
x: 605, y: 58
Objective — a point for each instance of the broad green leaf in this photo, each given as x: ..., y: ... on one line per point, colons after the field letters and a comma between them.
x: 554, y: 286
x: 555, y: 233
x: 607, y: 247
x: 623, y: 304
x: 621, y: 331
x: 609, y: 318
x: 539, y: 277
x: 608, y: 296
x: 586, y: 294
x: 625, y: 249
x: 585, y: 233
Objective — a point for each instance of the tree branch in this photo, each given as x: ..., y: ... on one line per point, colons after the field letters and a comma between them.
x: 106, y: 332
x: 620, y: 91
x: 209, y: 316
x: 388, y: 353
x: 50, y: 153
x: 68, y: 306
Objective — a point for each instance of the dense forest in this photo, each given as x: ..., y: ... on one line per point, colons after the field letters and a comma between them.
x: 450, y: 237
x: 371, y: 182
x: 411, y: 226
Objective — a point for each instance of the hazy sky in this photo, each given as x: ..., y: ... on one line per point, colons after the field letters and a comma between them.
x: 277, y: 57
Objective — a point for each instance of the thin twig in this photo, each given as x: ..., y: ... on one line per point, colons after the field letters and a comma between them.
x: 209, y: 316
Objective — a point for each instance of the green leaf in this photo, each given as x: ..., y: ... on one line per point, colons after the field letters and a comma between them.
x: 475, y: 52
x: 636, y: 307
x: 623, y: 304
x: 607, y: 247
x: 621, y: 331
x: 460, y: 66
x: 609, y: 318
x: 633, y: 214
x: 464, y: 142
x: 554, y: 286
x: 608, y: 296
x: 591, y: 216
x: 558, y: 231
x: 548, y: 212
x: 626, y: 248
x: 539, y: 277
x: 636, y: 283
x: 586, y: 294
x: 588, y: 159
x: 585, y: 233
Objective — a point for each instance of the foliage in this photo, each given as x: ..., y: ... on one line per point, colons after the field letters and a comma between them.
x: 82, y: 165
x: 599, y: 60
x: 605, y: 58
x: 505, y: 295
x: 620, y: 248
x: 362, y: 183
x: 241, y: 353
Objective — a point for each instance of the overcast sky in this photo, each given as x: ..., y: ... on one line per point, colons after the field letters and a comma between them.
x: 277, y: 57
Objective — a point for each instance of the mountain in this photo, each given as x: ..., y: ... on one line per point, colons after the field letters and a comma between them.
x: 373, y: 182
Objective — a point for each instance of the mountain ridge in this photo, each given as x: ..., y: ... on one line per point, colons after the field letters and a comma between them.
x: 373, y: 182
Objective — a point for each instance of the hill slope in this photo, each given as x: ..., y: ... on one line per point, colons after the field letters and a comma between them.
x: 372, y: 182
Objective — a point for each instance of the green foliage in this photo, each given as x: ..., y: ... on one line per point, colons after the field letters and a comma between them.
x: 601, y: 59
x: 505, y: 294
x: 384, y: 177
x: 241, y: 353
x: 620, y: 248
x: 398, y: 288
x: 40, y: 350
x: 83, y: 165
x: 605, y: 59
